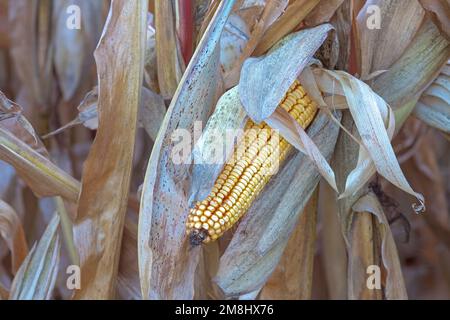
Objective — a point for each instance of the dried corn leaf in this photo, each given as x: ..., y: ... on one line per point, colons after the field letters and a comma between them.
x: 439, y: 10
x: 363, y: 253
x: 381, y: 47
x: 428, y: 53
x: 434, y: 105
x: 107, y: 170
x: 295, y: 12
x: 168, y: 52
x: 73, y: 47
x: 292, y: 278
x: 264, y: 231
x: 333, y: 251
x: 37, y: 275
x: 41, y: 175
x: 151, y: 113
x: 395, y: 286
x: 11, y: 231
x: 31, y: 50
x: 128, y: 285
x: 323, y: 12
x: 286, y: 61
x: 166, y: 264
x: 11, y: 119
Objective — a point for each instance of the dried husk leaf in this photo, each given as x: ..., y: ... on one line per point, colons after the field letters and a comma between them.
x: 11, y: 231
x: 272, y: 10
x: 292, y: 278
x: 37, y: 274
x: 294, y: 14
x: 264, y: 231
x: 399, y: 22
x: 286, y: 61
x: 209, y: 153
x: 395, y: 286
x: 428, y: 53
x: 107, y: 170
x: 168, y: 55
x: 166, y: 264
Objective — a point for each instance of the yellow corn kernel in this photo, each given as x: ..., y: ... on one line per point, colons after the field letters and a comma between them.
x: 247, y: 171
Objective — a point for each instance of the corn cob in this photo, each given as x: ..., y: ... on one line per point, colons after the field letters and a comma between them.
x: 247, y: 171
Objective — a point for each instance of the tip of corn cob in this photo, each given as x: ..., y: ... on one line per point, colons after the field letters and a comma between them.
x: 197, y: 236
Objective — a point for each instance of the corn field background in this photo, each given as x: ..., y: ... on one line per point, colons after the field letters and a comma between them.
x: 95, y: 96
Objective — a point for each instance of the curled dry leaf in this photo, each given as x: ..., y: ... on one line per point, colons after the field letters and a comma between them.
x: 166, y: 264
x: 276, y: 71
x: 37, y: 274
x: 11, y: 231
x: 107, y: 170
x: 264, y: 231
x: 375, y: 122
x: 323, y: 12
x: 395, y: 286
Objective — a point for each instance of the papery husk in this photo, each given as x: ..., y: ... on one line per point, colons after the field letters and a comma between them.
x: 166, y: 263
x: 209, y: 152
x: 37, y: 275
x: 264, y: 231
x: 272, y: 10
x: 107, y: 170
x: 286, y: 61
